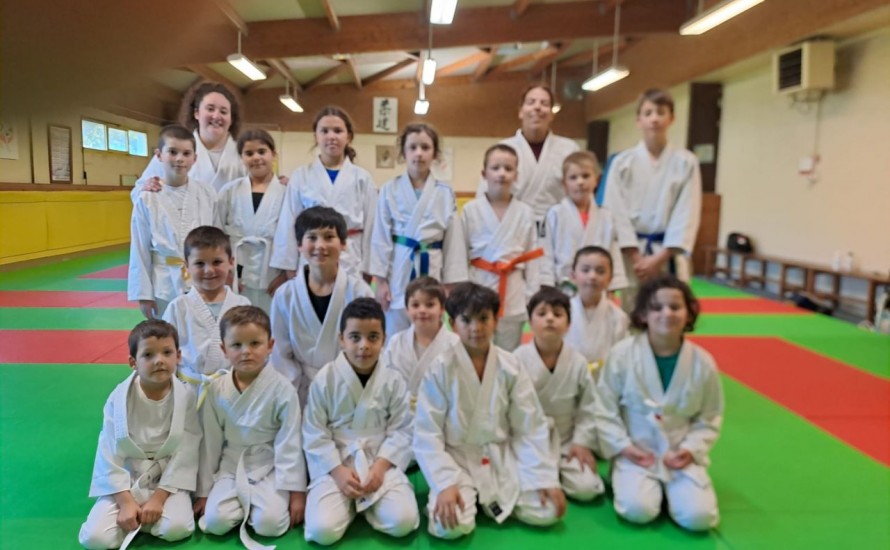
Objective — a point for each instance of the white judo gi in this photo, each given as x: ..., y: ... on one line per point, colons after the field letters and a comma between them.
x: 158, y: 229
x: 567, y: 395
x: 303, y: 343
x: 409, y: 240
x: 489, y: 438
x: 141, y: 456
x: 252, y: 235
x: 538, y: 180
x: 229, y: 167
x: 656, y: 203
x: 401, y: 355
x: 504, y: 256
x: 593, y: 332
x: 632, y: 407
x: 199, y: 337
x: 252, y: 456
x: 352, y: 194
x: 348, y: 424
x: 565, y: 234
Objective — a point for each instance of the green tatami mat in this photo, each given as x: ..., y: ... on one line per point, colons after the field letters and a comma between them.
x: 64, y: 318
x: 703, y: 288
x: 101, y: 285
x: 64, y: 268
x: 818, y: 333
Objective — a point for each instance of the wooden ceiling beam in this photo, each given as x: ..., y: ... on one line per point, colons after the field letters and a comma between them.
x: 585, y: 57
x: 525, y: 59
x: 354, y: 70
x: 388, y: 71
x: 329, y: 12
x: 473, y: 26
x: 547, y: 59
x: 325, y: 76
x: 232, y: 15
x: 463, y: 63
x: 207, y: 73
x: 283, y: 70
x: 519, y: 7
x: 484, y: 64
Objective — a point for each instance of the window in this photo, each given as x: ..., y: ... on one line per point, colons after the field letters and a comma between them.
x: 93, y: 134
x: 138, y: 143
x: 117, y: 140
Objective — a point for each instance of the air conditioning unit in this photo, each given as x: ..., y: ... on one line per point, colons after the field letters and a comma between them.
x: 804, y: 67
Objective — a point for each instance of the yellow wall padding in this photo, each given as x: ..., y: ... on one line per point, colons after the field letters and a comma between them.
x: 37, y: 224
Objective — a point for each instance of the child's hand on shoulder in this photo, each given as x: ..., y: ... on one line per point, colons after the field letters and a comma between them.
x: 276, y: 282
x: 383, y: 294
x: 375, y: 475
x: 677, y: 460
x: 447, y: 504
x: 153, y: 184
x: 347, y: 481
x: 148, y: 308
x: 557, y: 497
x: 638, y: 456
x: 583, y: 455
x: 297, y: 507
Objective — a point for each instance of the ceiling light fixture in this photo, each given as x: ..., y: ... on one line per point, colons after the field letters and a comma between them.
x: 428, y: 69
x: 442, y: 11
x: 289, y: 100
x: 247, y: 67
x: 716, y: 15
x: 613, y: 74
x: 556, y: 107
x: 421, y: 106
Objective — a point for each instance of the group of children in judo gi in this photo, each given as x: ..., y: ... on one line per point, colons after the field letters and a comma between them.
x: 314, y: 411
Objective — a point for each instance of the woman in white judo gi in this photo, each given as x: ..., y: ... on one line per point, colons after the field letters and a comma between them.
x: 247, y: 209
x: 330, y: 180
x: 659, y: 409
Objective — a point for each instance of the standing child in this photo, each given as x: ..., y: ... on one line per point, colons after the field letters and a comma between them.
x: 330, y: 180
x: 208, y: 260
x: 497, y: 233
x: 357, y: 434
x: 480, y: 432
x: 566, y: 390
x: 305, y: 309
x: 415, y: 213
x: 147, y: 460
x: 658, y: 411
x: 655, y: 191
x: 160, y: 222
x: 247, y: 209
x: 576, y: 221
x: 252, y: 468
x: 597, y: 322
x: 412, y: 351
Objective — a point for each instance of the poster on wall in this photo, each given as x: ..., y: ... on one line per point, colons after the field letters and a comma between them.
x: 9, y: 141
x: 442, y: 167
x: 59, y: 154
x: 386, y: 156
x: 386, y: 115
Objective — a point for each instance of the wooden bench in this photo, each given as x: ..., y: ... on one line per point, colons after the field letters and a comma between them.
x: 809, y: 271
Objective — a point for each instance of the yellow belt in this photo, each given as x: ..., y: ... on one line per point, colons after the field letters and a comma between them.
x: 172, y: 261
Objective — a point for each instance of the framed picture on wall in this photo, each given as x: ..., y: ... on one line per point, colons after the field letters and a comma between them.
x: 59, y: 153
x: 386, y: 156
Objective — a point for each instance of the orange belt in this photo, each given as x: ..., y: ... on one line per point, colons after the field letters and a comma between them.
x: 503, y: 270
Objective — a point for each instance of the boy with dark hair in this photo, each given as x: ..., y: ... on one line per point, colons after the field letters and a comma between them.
x: 357, y: 434
x: 480, y: 432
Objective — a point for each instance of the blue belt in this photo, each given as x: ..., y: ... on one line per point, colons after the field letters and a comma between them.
x: 648, y: 250
x: 416, y: 246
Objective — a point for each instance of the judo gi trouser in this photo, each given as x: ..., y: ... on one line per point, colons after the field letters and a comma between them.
x: 100, y: 530
x: 691, y: 499
x: 508, y: 334
x: 269, y: 513
x: 577, y: 482
x: 329, y: 512
x: 396, y: 320
x: 528, y: 510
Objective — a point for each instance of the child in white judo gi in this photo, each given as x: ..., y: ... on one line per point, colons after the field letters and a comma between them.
x: 415, y: 213
x: 252, y: 470
x: 208, y: 261
x: 412, y: 351
x: 331, y: 179
x: 566, y: 390
x: 655, y: 192
x: 659, y: 409
x: 497, y: 234
x: 306, y: 309
x: 357, y: 436
x: 247, y: 209
x: 575, y: 222
x: 160, y: 222
x: 480, y: 433
x: 598, y: 323
x: 147, y: 460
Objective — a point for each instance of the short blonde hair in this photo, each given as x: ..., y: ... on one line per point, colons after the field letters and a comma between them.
x: 582, y: 157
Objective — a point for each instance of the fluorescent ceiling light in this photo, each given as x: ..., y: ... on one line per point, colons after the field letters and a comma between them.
x: 710, y: 18
x: 290, y: 102
x: 246, y: 66
x: 421, y: 107
x: 428, y: 73
x: 442, y: 12
x: 604, y: 78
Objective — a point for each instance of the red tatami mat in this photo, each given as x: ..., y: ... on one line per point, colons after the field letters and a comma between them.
x: 748, y: 305
x: 119, y: 272
x: 63, y: 298
x: 848, y: 403
x: 63, y: 346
